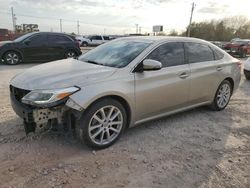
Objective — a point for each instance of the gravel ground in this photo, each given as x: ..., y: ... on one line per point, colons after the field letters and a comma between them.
x: 198, y: 148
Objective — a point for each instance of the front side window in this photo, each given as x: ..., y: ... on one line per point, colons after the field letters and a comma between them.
x: 198, y: 52
x: 169, y: 54
x: 115, y: 53
x: 38, y: 39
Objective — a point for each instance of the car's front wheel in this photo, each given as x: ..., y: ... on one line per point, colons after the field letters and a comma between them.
x: 102, y: 124
x: 12, y: 58
x: 222, y: 96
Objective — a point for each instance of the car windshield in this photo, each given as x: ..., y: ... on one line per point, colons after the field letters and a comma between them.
x: 115, y: 54
x: 21, y: 38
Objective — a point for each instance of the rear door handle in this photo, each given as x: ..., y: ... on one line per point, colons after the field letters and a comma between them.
x: 183, y: 75
x: 219, y: 68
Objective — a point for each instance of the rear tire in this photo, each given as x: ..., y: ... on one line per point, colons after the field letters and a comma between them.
x: 222, y: 96
x: 12, y: 58
x: 102, y: 124
x: 84, y: 44
x: 70, y: 54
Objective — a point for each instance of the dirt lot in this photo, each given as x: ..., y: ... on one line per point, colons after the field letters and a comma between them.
x: 198, y: 148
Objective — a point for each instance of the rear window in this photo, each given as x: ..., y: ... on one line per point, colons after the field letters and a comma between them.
x: 59, y: 38
x: 197, y: 52
x: 218, y: 54
x: 106, y: 38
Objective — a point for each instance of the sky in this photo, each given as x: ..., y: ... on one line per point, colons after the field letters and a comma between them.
x: 116, y: 16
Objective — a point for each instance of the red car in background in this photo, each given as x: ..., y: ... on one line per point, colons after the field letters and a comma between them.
x: 239, y: 47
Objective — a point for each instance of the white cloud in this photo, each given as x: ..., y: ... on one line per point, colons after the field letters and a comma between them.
x: 117, y: 16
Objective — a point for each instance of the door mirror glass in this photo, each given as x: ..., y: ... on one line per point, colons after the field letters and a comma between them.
x: 150, y: 65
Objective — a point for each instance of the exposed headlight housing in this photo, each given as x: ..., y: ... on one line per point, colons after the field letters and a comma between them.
x: 47, y: 98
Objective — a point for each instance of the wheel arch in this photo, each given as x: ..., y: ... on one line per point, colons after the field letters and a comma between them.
x: 13, y: 50
x: 231, y: 81
x: 120, y: 99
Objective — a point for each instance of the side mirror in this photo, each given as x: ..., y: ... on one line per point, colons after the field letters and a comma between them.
x: 27, y: 42
x: 151, y: 65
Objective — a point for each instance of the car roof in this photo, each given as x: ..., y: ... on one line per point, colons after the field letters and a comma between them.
x: 159, y: 39
x: 53, y: 33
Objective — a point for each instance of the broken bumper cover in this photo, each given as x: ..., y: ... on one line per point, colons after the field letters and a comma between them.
x: 34, y: 117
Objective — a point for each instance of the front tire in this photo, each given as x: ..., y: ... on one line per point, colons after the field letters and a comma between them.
x: 222, y: 96
x: 102, y: 124
x: 12, y: 58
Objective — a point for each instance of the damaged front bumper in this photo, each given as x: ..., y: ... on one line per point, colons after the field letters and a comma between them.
x: 38, y: 119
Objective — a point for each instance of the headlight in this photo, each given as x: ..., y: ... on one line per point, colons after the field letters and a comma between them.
x: 48, y: 97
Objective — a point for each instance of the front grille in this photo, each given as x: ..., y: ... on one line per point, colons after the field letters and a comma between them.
x: 18, y: 93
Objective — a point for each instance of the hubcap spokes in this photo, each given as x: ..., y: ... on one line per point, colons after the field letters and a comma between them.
x: 223, y: 95
x: 71, y: 54
x: 12, y: 58
x: 105, y: 125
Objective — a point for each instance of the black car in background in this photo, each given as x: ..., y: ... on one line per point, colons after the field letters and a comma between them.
x: 39, y: 46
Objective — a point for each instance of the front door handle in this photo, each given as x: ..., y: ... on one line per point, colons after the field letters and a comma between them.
x: 183, y: 75
x: 219, y: 68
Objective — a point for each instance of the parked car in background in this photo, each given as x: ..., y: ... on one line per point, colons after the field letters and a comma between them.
x: 217, y: 43
x: 39, y: 46
x: 247, y: 69
x: 82, y: 40
x: 93, y: 40
x: 124, y: 82
x: 238, y: 47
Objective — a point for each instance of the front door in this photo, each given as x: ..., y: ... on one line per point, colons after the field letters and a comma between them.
x: 35, y: 48
x: 164, y: 90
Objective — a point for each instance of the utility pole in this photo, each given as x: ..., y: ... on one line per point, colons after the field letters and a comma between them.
x: 61, y: 25
x: 78, y: 27
x: 104, y: 31
x: 139, y: 30
x: 136, y: 25
x: 13, y: 20
x: 191, y: 17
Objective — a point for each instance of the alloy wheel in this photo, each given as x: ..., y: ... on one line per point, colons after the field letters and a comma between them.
x: 71, y: 54
x: 223, y: 95
x: 105, y: 125
x: 12, y: 58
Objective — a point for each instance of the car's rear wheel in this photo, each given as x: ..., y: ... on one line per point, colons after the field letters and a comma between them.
x: 70, y: 54
x: 12, y: 58
x: 84, y: 44
x: 222, y: 96
x: 102, y: 124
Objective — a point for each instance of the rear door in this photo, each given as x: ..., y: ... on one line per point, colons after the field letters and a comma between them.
x: 35, y: 48
x: 57, y: 45
x: 204, y: 72
x: 163, y: 90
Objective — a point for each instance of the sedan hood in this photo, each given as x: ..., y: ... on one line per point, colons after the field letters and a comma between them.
x: 60, y: 74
